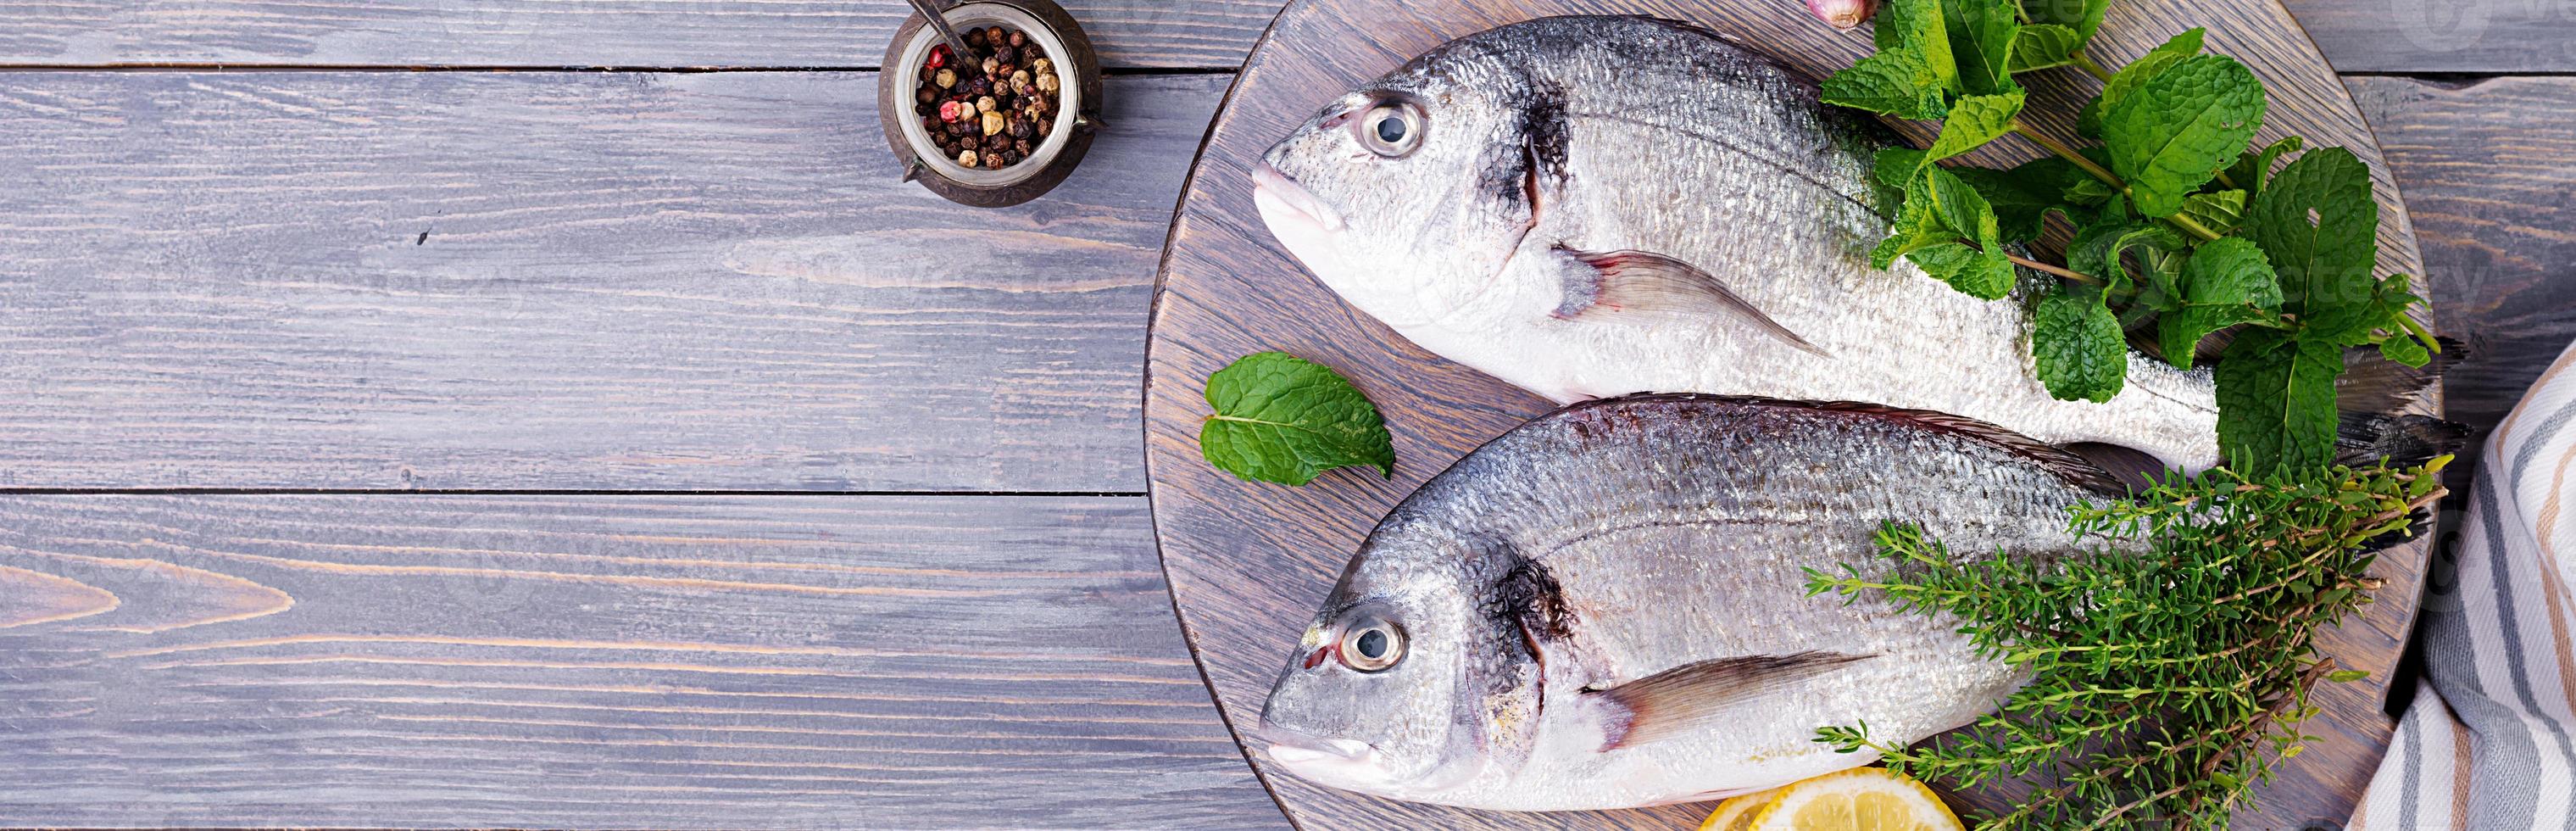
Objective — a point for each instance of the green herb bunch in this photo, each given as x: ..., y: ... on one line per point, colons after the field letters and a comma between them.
x: 2162, y: 683
x: 2178, y: 221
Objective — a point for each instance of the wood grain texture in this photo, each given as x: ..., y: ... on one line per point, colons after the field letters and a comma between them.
x: 543, y: 33
x: 2363, y: 36
x: 2442, y: 35
x: 2488, y: 176
x: 1248, y: 561
x: 652, y: 662
x: 558, y: 281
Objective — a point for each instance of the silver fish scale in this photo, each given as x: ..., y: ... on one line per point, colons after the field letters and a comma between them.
x: 1678, y: 528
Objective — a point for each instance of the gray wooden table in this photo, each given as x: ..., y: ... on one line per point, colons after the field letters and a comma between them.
x: 555, y: 413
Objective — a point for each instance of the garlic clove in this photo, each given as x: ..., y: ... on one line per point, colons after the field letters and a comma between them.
x: 1843, y: 14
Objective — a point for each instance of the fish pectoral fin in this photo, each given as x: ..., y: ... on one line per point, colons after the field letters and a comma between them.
x: 1643, y: 283
x: 1673, y: 701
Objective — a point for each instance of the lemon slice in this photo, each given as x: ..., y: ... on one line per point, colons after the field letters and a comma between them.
x: 1736, y: 813
x: 1860, y: 799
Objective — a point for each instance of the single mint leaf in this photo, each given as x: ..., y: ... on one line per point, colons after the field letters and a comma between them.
x: 1897, y: 83
x: 1279, y: 418
x: 2097, y: 249
x: 2276, y: 403
x: 2044, y: 45
x: 2023, y: 196
x: 2083, y: 16
x: 1892, y: 172
x: 2318, y: 224
x: 1918, y: 221
x: 1961, y: 207
x: 1916, y: 228
x: 1897, y: 167
x: 2219, y: 211
x: 2405, y: 349
x: 1942, y: 215
x: 1916, y: 26
x: 2226, y: 282
x: 2254, y: 170
x: 2173, y: 133
x: 1975, y: 120
x: 1980, y: 274
x: 2359, y: 323
x: 1981, y: 39
x: 2088, y: 121
x: 2346, y: 676
x: 2076, y: 346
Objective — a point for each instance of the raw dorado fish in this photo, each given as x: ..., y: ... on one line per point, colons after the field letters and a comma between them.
x: 1593, y: 206
x: 1604, y: 608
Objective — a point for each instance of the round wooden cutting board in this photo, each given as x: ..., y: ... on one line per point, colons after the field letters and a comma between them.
x: 1248, y: 562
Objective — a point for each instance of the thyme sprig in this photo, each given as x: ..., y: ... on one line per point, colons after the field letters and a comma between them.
x: 2163, y: 684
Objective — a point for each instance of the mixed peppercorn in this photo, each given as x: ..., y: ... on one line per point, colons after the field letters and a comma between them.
x: 993, y: 108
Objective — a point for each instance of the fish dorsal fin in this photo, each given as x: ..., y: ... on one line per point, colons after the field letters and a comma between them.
x: 1620, y: 284
x: 2072, y: 466
x: 1673, y: 701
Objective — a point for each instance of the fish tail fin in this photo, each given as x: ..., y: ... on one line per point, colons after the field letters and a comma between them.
x: 2374, y: 384
x: 2399, y: 440
x: 2371, y: 388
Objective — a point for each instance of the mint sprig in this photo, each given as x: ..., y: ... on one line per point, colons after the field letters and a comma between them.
x: 2182, y: 230
x: 1280, y: 418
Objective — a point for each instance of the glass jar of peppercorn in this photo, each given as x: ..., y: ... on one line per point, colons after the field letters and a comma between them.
x: 1001, y: 123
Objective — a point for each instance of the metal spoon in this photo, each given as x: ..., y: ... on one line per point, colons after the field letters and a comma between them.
x: 929, y: 10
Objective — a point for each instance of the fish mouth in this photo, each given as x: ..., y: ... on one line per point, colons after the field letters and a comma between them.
x: 1300, y: 751
x: 1284, y: 202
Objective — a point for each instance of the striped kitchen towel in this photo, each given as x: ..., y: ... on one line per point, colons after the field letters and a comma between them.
x: 2490, y: 740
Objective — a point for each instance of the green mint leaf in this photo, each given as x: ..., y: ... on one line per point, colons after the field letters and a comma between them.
x: 2254, y: 170
x: 2405, y: 349
x: 1917, y: 228
x: 2044, y: 45
x: 2088, y: 122
x: 2225, y: 282
x: 2318, y: 224
x: 1975, y: 120
x: 2219, y: 211
x: 2347, y: 675
x: 1985, y: 275
x: 1941, y: 216
x: 2359, y: 323
x: 1279, y: 418
x: 2098, y: 247
x: 1981, y: 39
x: 2023, y: 196
x: 1918, y: 221
x: 1916, y: 26
x: 1893, y: 171
x: 2276, y: 403
x: 1898, y: 83
x: 2175, y: 131
x: 1897, y: 167
x: 1961, y: 207
x: 2083, y: 16
x: 2076, y: 346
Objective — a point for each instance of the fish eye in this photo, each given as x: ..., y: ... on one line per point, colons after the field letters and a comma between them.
x: 1392, y: 129
x: 1372, y: 645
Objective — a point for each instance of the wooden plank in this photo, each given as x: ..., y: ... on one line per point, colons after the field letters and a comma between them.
x: 558, y: 280
x: 2399, y: 36
x: 661, y: 662
x: 538, y: 33
x: 1245, y: 557
x: 2485, y: 172
x: 2391, y: 36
